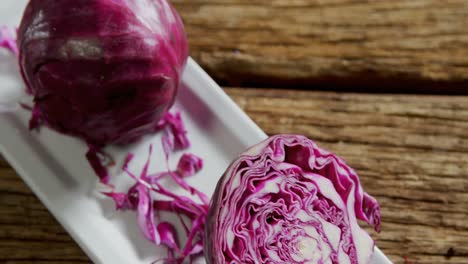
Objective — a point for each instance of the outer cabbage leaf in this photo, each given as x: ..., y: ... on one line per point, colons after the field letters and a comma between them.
x: 286, y: 200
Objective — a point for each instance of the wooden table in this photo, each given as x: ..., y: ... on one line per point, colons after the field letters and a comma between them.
x: 380, y: 83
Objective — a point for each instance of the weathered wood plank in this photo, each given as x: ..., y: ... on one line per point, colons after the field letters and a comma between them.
x: 404, y: 45
x: 39, y: 250
x: 410, y: 151
x: 28, y: 232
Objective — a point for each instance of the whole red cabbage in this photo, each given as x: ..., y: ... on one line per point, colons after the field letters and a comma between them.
x: 286, y: 200
x: 102, y: 70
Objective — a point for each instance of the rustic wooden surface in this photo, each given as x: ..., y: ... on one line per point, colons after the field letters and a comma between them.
x: 336, y: 44
x: 410, y: 150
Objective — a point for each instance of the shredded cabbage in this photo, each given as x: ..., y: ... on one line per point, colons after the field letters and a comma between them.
x: 148, y: 196
x: 174, y: 137
x: 8, y: 39
x: 144, y: 197
x: 10, y: 93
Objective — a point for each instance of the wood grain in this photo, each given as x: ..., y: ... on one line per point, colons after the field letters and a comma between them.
x: 410, y: 151
x: 28, y: 232
x: 403, y: 45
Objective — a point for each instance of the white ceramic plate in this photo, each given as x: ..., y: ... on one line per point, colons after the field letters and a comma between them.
x: 54, y: 166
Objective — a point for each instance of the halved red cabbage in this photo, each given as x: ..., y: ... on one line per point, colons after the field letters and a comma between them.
x: 286, y: 200
x: 102, y: 70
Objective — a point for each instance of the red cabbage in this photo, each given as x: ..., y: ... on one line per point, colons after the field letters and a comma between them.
x: 188, y: 165
x: 8, y: 39
x: 286, y: 200
x: 148, y: 197
x: 105, y: 71
x: 174, y: 137
x: 175, y: 134
x: 10, y: 92
x: 144, y: 196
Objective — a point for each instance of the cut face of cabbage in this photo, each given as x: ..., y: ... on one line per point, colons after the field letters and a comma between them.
x: 288, y: 201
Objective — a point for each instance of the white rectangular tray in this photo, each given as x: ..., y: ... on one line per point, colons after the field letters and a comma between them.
x: 54, y: 166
